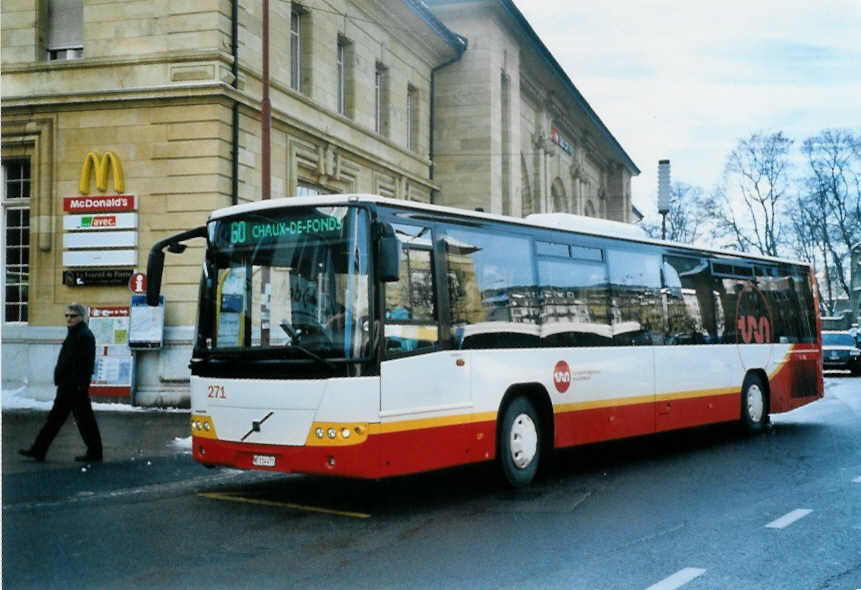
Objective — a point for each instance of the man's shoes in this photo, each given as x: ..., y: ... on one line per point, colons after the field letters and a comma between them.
x: 88, y: 458
x: 31, y: 454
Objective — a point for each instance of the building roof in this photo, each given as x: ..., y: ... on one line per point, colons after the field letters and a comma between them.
x: 457, y: 42
x: 527, y: 30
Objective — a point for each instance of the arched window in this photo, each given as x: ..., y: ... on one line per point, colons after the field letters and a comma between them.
x: 560, y: 200
x: 589, y: 209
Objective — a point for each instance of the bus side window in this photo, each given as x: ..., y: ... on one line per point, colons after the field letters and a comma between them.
x: 806, y: 310
x: 411, y: 322
x: 690, y: 301
x: 491, y: 290
x: 574, y: 303
x: 635, y: 298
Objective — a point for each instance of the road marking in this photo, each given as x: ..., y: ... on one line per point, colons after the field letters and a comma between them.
x: 787, y: 519
x: 236, y: 498
x: 678, y: 579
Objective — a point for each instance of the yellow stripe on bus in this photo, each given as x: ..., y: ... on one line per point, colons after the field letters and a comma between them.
x: 460, y: 419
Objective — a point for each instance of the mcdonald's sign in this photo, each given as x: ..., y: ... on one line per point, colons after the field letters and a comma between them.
x: 101, y: 166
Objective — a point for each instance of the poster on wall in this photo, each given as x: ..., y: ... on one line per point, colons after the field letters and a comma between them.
x: 114, y: 361
x: 146, y: 325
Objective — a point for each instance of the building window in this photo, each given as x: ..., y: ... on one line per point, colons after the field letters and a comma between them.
x: 381, y: 107
x: 64, y: 29
x: 305, y: 189
x: 412, y: 118
x: 16, y: 231
x: 505, y: 125
x: 344, y: 62
x: 296, y: 50
x: 342, y: 76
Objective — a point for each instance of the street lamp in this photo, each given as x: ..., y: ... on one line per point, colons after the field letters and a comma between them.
x: 663, y: 194
x: 855, y: 280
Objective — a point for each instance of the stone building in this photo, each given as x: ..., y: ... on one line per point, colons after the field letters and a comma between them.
x: 145, y: 116
x: 512, y: 133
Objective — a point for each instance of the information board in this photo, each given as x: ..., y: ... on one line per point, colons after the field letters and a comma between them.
x: 114, y: 361
x: 146, y: 328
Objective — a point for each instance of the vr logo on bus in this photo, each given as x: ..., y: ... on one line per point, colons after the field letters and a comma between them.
x: 753, y: 316
x: 562, y: 376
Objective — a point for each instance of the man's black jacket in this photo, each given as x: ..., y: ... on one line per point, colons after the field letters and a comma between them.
x: 77, y: 357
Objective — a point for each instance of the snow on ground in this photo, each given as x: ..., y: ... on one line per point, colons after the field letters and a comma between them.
x: 182, y: 443
x: 21, y: 399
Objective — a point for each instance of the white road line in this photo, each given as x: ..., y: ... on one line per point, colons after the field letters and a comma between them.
x: 678, y: 579
x: 787, y: 519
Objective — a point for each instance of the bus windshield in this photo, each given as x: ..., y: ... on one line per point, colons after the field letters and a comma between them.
x: 290, y: 279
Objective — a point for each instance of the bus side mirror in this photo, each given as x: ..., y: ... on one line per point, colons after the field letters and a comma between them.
x: 155, y: 262
x: 154, y: 269
x: 389, y: 255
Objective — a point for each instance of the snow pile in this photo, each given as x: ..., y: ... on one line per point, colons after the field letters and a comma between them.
x: 19, y: 399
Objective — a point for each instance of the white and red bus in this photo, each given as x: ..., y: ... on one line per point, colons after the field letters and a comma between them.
x: 360, y: 336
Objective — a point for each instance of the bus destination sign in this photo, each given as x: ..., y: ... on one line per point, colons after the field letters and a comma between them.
x: 251, y: 232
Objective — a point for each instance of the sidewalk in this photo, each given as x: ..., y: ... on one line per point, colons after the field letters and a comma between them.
x: 127, y: 434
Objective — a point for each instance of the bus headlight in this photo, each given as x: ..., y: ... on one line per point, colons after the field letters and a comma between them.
x: 202, y: 426
x: 336, y: 434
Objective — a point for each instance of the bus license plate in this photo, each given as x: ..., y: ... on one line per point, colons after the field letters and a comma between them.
x: 263, y: 461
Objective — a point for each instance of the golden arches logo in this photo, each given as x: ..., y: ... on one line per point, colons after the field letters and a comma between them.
x: 101, y: 167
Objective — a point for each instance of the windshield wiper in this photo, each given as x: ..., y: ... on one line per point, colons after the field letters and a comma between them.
x: 312, y: 355
x: 294, y: 336
x: 289, y: 330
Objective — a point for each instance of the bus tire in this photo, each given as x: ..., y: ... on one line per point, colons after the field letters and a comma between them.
x: 754, y: 404
x: 519, y: 442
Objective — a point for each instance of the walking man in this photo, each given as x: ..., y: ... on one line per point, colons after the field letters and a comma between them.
x: 72, y: 377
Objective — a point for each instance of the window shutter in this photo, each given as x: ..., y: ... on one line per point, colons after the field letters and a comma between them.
x: 65, y: 24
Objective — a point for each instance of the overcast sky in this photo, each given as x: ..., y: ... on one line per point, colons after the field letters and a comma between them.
x: 686, y: 80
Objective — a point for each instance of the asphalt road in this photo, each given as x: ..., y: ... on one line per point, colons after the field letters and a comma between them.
x: 701, y: 509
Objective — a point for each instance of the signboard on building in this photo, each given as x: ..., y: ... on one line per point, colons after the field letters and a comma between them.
x: 137, y: 283
x: 101, y: 230
x: 100, y: 221
x: 96, y: 277
x: 114, y: 361
x: 85, y: 204
x: 557, y: 138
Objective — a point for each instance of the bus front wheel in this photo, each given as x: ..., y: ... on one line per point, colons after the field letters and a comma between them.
x: 519, y: 442
x: 754, y: 404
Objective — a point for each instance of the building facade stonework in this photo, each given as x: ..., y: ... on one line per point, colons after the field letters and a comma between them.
x: 373, y: 96
x: 515, y: 136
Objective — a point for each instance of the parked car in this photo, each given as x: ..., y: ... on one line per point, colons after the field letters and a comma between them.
x: 839, y: 351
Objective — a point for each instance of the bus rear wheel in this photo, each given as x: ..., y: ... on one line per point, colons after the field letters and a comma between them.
x: 519, y: 442
x: 754, y: 404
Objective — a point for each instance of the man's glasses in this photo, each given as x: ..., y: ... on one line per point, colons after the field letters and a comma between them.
x: 71, y: 315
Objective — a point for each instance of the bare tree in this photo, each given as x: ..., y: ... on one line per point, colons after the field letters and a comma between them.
x: 807, y: 243
x: 834, y: 185
x: 746, y: 206
x: 685, y: 219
